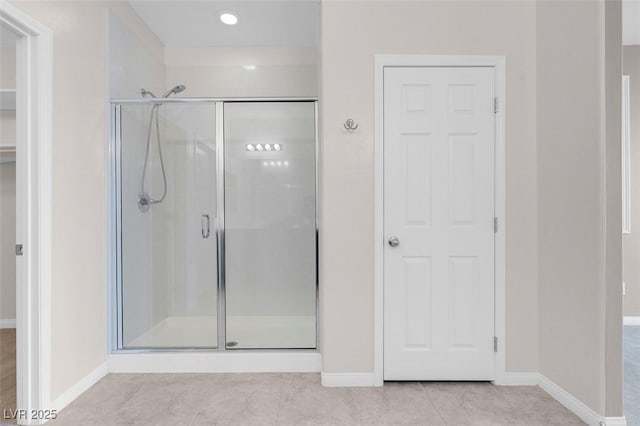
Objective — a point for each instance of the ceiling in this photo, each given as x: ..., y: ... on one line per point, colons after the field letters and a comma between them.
x: 284, y: 23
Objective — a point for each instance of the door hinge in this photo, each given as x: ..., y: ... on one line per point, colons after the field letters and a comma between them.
x: 495, y: 225
x: 495, y: 105
x: 19, y: 250
x: 495, y: 344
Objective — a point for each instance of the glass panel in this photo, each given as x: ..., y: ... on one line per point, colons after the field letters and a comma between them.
x: 270, y: 224
x: 169, y: 273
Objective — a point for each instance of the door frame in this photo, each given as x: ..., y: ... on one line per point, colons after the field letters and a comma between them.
x: 499, y: 65
x: 34, y: 62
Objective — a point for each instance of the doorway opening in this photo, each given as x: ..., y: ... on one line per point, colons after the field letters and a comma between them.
x: 8, y: 140
x: 31, y: 249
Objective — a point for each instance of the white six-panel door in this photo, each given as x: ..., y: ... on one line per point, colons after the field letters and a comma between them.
x: 439, y: 204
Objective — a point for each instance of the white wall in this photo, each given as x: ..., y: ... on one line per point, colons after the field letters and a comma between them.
x: 7, y: 67
x: 631, y: 247
x: 7, y: 193
x: 352, y: 33
x: 7, y: 241
x: 611, y: 27
x: 579, y: 206
x: 136, y: 57
x: 219, y: 72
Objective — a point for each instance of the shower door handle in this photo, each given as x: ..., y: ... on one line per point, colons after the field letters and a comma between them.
x: 205, y: 226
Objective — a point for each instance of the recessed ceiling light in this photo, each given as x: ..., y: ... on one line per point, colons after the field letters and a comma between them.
x: 249, y: 67
x: 229, y: 18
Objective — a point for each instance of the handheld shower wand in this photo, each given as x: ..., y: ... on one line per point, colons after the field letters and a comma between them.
x: 144, y: 199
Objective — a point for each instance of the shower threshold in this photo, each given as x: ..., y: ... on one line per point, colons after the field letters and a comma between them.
x: 248, y: 332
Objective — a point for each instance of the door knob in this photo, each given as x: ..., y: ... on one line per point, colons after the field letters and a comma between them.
x: 394, y: 242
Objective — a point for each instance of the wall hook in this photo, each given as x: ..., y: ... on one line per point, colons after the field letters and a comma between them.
x: 350, y: 125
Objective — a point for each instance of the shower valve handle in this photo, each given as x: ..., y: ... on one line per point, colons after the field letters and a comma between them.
x: 205, y: 226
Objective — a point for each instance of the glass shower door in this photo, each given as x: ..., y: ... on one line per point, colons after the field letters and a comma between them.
x: 168, y: 270
x: 270, y: 224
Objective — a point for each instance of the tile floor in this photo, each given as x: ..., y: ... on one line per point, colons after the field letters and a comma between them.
x: 300, y: 399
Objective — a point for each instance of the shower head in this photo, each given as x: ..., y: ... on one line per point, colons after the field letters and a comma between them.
x: 174, y: 90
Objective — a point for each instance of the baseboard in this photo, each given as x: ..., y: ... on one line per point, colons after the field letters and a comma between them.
x: 631, y: 321
x: 347, y: 379
x: 80, y: 387
x: 216, y: 362
x: 8, y: 323
x: 578, y: 407
x: 569, y: 401
x: 518, y: 379
x: 615, y: 421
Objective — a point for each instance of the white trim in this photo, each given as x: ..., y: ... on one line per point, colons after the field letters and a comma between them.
x: 33, y: 227
x: 499, y: 64
x: 631, y: 320
x: 334, y: 380
x: 378, y: 231
x: 215, y: 362
x: 8, y: 323
x: 80, y: 387
x: 578, y: 407
x: 111, y: 217
x: 626, y: 156
x: 615, y: 421
x: 518, y: 379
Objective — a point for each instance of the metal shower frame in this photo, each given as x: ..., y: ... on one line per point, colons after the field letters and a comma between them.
x: 115, y: 220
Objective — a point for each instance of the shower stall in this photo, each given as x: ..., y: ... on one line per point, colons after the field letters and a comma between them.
x: 214, y: 236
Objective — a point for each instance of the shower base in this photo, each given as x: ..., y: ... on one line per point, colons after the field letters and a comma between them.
x: 250, y: 332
